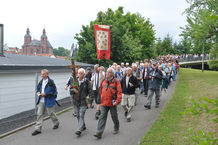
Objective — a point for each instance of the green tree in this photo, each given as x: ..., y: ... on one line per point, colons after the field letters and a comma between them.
x: 158, y: 47
x: 61, y: 51
x: 202, y: 26
x: 132, y: 37
x: 166, y: 46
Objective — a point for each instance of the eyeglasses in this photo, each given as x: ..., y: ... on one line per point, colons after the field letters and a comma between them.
x: 109, y: 72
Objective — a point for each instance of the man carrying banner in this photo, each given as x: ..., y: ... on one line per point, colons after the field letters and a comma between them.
x: 80, y: 93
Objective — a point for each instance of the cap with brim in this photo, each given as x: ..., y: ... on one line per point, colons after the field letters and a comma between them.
x: 154, y: 63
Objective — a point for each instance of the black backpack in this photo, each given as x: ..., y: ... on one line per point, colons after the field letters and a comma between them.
x: 115, y: 88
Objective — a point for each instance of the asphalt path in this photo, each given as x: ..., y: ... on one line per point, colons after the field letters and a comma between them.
x: 130, y: 132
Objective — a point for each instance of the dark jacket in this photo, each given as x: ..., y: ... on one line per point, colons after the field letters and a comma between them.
x: 143, y: 73
x: 137, y: 75
x: 84, y: 89
x: 156, y: 81
x: 50, y: 93
x: 129, y: 90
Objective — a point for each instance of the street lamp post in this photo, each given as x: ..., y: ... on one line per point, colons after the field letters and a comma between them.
x: 203, y: 58
x: 1, y: 39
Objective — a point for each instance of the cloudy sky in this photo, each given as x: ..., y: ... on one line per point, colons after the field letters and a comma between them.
x: 62, y: 19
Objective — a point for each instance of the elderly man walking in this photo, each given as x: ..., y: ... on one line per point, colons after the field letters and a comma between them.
x: 47, y: 94
x: 129, y: 83
x: 96, y: 79
x: 111, y: 95
x: 80, y: 92
x: 154, y: 82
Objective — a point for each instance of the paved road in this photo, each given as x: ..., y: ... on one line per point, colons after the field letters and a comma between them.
x: 130, y: 132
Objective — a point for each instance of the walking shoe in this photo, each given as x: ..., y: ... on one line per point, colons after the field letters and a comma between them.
x: 74, y: 114
x: 116, y: 131
x: 128, y: 119
x: 98, y: 135
x: 84, y: 128
x: 125, y: 114
x: 147, y: 106
x: 56, y: 126
x: 78, y: 133
x: 36, y: 132
x: 157, y: 106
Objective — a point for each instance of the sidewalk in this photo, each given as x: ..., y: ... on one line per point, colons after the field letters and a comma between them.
x: 130, y: 132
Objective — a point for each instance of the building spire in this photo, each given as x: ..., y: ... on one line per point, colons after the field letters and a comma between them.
x: 27, y: 33
x: 44, y: 34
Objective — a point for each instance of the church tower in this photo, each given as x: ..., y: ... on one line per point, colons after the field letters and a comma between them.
x: 27, y: 40
x: 43, y: 42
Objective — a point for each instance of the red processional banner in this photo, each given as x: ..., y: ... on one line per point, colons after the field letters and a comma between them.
x: 102, y: 41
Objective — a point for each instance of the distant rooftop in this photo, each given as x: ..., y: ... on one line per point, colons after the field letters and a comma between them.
x: 19, y: 61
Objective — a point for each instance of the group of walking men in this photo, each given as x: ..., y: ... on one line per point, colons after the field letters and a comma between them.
x: 119, y: 84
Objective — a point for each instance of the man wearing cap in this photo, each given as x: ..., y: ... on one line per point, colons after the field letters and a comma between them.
x: 154, y: 82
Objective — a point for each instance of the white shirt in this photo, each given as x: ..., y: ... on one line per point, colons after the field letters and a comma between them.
x: 44, y: 83
x: 127, y: 80
x: 95, y: 80
x: 80, y: 82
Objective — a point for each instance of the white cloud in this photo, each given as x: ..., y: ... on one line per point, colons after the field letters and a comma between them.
x: 63, y: 18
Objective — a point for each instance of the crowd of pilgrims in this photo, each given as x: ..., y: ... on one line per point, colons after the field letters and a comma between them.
x: 118, y: 84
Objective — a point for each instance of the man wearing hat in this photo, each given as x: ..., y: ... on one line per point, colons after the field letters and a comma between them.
x: 154, y: 83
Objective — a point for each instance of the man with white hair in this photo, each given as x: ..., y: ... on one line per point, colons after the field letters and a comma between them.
x: 127, y: 64
x: 111, y: 94
x: 136, y: 73
x: 129, y: 84
x: 123, y: 69
x: 80, y: 91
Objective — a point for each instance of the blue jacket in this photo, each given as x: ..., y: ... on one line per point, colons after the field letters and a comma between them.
x: 50, y: 93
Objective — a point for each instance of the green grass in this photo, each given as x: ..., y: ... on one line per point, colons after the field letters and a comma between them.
x: 172, y: 124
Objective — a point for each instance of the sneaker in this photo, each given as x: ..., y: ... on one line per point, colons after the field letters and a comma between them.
x: 147, y: 106
x: 36, y: 132
x: 125, y: 114
x: 56, y: 126
x: 98, y: 135
x: 78, y: 133
x: 116, y: 131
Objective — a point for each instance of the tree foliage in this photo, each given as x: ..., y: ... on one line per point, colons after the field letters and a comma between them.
x: 166, y: 46
x: 202, y: 28
x: 132, y: 37
x: 61, y: 51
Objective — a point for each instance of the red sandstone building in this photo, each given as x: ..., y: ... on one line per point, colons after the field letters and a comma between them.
x: 35, y: 46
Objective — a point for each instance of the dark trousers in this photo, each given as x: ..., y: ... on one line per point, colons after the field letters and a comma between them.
x: 145, y: 81
x: 103, y: 118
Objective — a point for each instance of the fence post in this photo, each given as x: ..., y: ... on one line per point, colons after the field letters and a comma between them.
x: 36, y: 83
